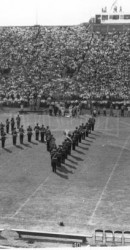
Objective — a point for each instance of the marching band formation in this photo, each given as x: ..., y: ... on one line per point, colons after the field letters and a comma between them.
x: 59, y: 153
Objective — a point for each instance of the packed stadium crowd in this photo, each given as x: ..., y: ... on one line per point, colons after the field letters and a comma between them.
x: 63, y: 62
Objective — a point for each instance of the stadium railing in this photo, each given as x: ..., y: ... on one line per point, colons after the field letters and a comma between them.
x: 99, y: 235
x: 109, y: 236
x: 126, y: 237
x: 118, y: 237
x: 75, y: 238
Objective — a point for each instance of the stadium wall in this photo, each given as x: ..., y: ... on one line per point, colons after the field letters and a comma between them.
x: 110, y: 27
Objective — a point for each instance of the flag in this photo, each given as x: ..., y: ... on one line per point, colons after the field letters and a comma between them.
x: 113, y: 4
x: 68, y: 138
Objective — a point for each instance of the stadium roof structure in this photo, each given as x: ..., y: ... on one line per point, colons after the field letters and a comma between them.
x: 114, y: 15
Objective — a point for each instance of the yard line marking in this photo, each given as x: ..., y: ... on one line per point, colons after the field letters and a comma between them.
x: 100, y: 123
x: 118, y: 126
x: 104, y: 189
x: 117, y: 145
x: 106, y: 124
x: 24, y: 204
x: 125, y: 123
x: 97, y: 123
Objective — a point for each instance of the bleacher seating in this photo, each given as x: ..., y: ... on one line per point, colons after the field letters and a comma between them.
x: 63, y: 61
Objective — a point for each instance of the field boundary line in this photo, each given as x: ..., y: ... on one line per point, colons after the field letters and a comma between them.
x: 28, y: 199
x: 125, y: 123
x: 104, y: 189
x: 118, y: 126
x: 97, y: 124
x: 106, y: 124
x: 117, y: 145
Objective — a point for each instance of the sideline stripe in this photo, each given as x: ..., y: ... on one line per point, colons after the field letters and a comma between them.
x: 24, y: 204
x: 125, y: 123
x: 104, y: 189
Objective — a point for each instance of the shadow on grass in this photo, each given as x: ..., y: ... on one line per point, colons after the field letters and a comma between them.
x: 83, y: 147
x: 77, y: 158
x: 95, y: 134
x: 42, y: 141
x: 88, y: 139
x: 72, y: 161
x: 62, y: 175
x: 20, y: 147
x: 64, y: 170
x: 80, y: 152
x: 70, y: 166
x: 27, y: 145
x: 7, y: 150
x: 34, y: 143
x: 87, y: 144
x: 91, y: 137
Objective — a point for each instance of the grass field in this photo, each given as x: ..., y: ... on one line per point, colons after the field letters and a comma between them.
x: 90, y: 191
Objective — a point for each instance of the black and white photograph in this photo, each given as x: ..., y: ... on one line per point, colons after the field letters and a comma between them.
x: 64, y: 123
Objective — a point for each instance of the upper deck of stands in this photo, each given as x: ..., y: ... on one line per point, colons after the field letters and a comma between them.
x: 103, y: 28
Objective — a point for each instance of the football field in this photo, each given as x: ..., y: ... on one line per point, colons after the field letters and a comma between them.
x: 90, y: 191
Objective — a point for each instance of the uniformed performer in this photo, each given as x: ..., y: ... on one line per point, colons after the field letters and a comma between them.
x: 93, y: 123
x: 12, y: 124
x: 83, y: 131
x: 1, y: 128
x: 42, y: 133
x: 59, y: 156
x: 64, y: 146
x: 73, y: 141
x: 87, y: 129
x: 29, y: 133
x: 3, y: 138
x: 89, y: 125
x: 52, y: 143
x: 21, y: 134
x: 80, y: 134
x: 7, y: 126
x: 47, y: 129
x: 14, y: 136
x: 48, y: 138
x: 69, y: 145
x: 63, y: 153
x: 54, y: 161
x: 76, y: 136
x: 18, y: 119
x: 37, y: 130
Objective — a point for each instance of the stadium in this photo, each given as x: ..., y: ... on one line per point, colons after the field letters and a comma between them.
x: 62, y: 77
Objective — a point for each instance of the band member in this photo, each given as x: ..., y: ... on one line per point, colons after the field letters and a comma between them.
x: 1, y: 128
x: 3, y: 138
x: 54, y: 161
x: 59, y: 157
x: 37, y: 130
x: 14, y: 136
x: 18, y: 119
x: 29, y: 133
x: 12, y: 124
x: 7, y: 126
x: 42, y: 133
x: 21, y: 134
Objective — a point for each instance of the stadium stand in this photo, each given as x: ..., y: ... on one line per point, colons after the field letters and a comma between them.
x: 63, y: 62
